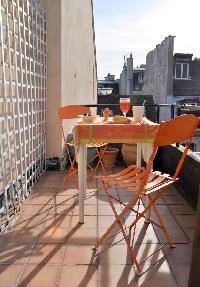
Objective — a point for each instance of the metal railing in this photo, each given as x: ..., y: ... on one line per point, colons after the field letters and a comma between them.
x: 152, y: 110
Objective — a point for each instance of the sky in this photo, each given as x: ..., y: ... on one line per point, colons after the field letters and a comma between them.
x: 137, y: 26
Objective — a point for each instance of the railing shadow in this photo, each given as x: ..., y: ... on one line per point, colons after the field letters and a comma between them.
x: 42, y: 264
x: 24, y: 231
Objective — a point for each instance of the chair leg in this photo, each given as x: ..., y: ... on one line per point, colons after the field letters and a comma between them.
x: 169, y: 242
x: 100, y: 156
x: 72, y: 170
x: 120, y: 216
x: 134, y: 229
x: 130, y: 249
x: 142, y: 214
x: 151, y: 204
x: 72, y: 162
x: 118, y: 221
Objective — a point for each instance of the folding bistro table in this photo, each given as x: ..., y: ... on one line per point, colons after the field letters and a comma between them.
x: 99, y: 132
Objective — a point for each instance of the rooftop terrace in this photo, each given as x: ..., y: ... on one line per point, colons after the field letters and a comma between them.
x: 46, y: 246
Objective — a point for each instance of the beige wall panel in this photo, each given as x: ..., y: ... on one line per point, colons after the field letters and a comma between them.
x: 78, y: 53
x: 54, y: 75
x: 73, y: 79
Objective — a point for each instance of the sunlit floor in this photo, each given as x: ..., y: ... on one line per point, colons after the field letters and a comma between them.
x: 48, y: 247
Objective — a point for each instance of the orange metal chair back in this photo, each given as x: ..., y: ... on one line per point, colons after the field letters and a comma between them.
x: 72, y: 111
x: 176, y: 130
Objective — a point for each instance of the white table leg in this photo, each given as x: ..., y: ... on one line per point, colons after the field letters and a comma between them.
x: 139, y: 155
x: 85, y: 170
x: 81, y: 179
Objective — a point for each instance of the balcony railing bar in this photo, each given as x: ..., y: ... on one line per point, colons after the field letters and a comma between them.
x: 170, y: 107
x: 115, y: 105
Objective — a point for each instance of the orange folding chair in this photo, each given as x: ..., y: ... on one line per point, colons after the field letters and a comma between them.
x: 145, y: 183
x: 72, y: 112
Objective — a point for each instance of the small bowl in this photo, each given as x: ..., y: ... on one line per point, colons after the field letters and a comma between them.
x: 88, y: 119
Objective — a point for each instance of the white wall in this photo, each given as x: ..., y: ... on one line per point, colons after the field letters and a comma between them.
x: 78, y: 82
x: 54, y: 76
x: 71, y: 62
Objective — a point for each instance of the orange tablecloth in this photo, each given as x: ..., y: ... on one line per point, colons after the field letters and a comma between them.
x: 101, y: 132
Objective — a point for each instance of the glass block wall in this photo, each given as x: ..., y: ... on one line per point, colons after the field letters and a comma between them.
x: 23, y: 101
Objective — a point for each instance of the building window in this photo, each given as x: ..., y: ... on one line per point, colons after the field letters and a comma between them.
x: 140, y: 78
x: 182, y: 71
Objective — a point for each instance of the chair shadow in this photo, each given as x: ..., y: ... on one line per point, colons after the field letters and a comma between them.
x: 154, y: 263
x: 90, y: 271
x: 153, y: 266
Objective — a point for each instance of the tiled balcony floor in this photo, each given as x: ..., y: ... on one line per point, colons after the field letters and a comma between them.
x: 46, y: 246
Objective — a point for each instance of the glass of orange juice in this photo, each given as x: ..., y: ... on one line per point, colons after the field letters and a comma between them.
x: 124, y: 105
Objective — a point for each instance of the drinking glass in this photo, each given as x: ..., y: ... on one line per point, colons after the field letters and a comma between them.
x: 138, y: 113
x: 124, y: 105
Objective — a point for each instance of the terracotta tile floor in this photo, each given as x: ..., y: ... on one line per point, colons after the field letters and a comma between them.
x: 46, y: 246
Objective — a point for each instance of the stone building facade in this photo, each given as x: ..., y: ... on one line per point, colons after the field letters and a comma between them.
x: 186, y: 83
x: 108, y: 86
x: 169, y: 77
x: 158, y: 79
x: 126, y: 77
x: 172, y: 78
x: 131, y: 79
